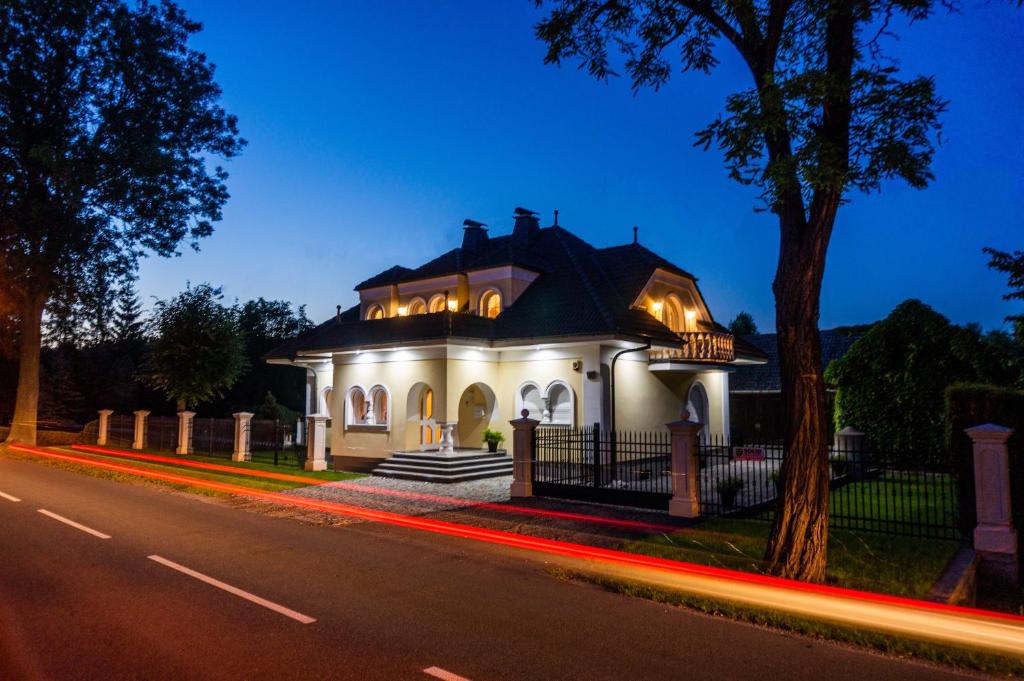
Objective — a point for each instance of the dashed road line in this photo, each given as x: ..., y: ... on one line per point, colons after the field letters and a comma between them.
x: 9, y: 497
x: 443, y: 674
x: 72, y: 523
x: 270, y: 605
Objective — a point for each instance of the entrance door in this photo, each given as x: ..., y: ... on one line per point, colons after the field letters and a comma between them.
x: 430, y: 433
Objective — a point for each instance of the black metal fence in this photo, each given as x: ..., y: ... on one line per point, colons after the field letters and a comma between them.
x: 213, y: 436
x: 273, y: 441
x: 901, y: 493
x: 161, y: 433
x: 121, y: 430
x: 630, y: 468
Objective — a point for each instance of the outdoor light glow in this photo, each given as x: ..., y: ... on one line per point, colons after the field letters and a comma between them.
x: 691, y: 315
x: 970, y: 627
x: 656, y: 306
x: 453, y: 305
x: 403, y: 311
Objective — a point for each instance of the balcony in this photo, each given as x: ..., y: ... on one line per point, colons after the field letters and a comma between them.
x: 699, y: 347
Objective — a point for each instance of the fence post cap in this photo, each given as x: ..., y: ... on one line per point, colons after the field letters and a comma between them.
x: 316, y: 418
x: 142, y: 412
x: 684, y: 426
x: 186, y: 413
x: 989, y: 432
x: 106, y: 412
x: 849, y: 430
x: 525, y: 421
x: 241, y: 414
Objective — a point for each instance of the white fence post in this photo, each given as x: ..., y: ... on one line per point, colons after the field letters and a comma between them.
x: 995, y: 538
x: 103, y: 428
x: 685, y: 501
x: 522, y: 455
x: 139, y: 441
x: 185, y: 432
x: 316, y: 447
x: 243, y: 436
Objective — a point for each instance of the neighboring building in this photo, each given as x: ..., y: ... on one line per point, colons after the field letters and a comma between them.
x: 531, y: 320
x: 755, y: 391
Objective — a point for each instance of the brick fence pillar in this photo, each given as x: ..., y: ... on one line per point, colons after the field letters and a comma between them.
x: 995, y: 538
x: 185, y: 431
x: 103, y: 428
x: 139, y: 441
x: 685, y: 501
x: 316, y: 442
x: 243, y: 436
x: 522, y: 455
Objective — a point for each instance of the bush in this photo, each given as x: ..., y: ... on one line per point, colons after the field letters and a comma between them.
x: 974, y: 404
x: 493, y: 436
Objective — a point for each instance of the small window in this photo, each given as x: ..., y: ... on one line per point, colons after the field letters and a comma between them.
x: 559, y: 405
x: 379, y: 406
x: 367, y: 409
x: 357, y: 407
x: 532, y: 401
x: 375, y: 312
x: 436, y: 303
x: 417, y: 306
x: 490, y: 304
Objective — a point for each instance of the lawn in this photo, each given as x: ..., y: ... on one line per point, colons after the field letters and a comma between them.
x: 897, y: 499
x: 882, y: 563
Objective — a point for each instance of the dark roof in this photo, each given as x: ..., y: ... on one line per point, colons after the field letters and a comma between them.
x: 580, y: 291
x: 765, y: 377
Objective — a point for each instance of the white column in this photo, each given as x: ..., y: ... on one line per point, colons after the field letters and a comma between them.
x: 103, y: 428
x: 593, y: 391
x: 185, y: 431
x: 522, y: 455
x: 242, y: 436
x: 995, y: 538
x: 447, y: 443
x: 316, y: 442
x: 140, y: 429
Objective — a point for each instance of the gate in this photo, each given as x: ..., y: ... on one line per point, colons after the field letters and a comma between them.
x: 588, y: 464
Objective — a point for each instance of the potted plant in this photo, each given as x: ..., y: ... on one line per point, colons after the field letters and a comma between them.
x: 493, y: 438
x: 728, y: 489
x: 840, y: 465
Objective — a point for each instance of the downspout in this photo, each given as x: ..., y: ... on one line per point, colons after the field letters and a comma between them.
x: 611, y: 378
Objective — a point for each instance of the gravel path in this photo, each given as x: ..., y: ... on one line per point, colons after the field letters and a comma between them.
x: 411, y: 497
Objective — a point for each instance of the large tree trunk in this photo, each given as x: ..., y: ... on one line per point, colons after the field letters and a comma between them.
x: 798, y: 542
x: 26, y: 406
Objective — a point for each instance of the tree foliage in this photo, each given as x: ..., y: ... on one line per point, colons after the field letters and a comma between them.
x: 109, y: 123
x: 1012, y: 265
x: 198, y: 350
x: 892, y: 381
x: 743, y: 325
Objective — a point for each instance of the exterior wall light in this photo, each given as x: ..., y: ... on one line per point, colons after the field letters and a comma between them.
x: 656, y: 308
x: 403, y: 311
x: 691, y: 320
x: 453, y: 305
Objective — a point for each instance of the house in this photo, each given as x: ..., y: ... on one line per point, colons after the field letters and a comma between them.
x: 755, y: 391
x: 536, y: 320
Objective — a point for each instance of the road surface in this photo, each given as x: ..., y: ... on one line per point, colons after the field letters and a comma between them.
x: 105, y: 580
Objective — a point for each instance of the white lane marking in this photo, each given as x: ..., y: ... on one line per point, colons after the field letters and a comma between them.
x: 72, y: 523
x: 443, y: 674
x: 8, y: 497
x: 270, y: 605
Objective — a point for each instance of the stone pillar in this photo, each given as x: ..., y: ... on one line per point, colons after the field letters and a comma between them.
x: 316, y: 442
x: 851, y: 443
x: 103, y: 428
x: 140, y: 429
x: 447, y: 442
x: 185, y: 432
x: 242, y: 436
x: 685, y: 501
x: 522, y: 455
x: 995, y: 538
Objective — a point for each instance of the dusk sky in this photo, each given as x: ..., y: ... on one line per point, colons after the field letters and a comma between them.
x: 374, y: 129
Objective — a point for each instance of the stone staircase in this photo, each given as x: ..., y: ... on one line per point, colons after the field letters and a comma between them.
x: 463, y: 465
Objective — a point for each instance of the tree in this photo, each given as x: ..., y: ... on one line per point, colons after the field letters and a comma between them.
x: 109, y: 124
x: 826, y: 113
x: 743, y: 325
x: 1013, y: 267
x: 128, y: 326
x: 198, y: 351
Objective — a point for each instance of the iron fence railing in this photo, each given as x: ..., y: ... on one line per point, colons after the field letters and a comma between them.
x: 901, y: 493
x: 161, y: 433
x: 121, y: 430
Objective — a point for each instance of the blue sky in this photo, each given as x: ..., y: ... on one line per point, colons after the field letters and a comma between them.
x: 374, y: 129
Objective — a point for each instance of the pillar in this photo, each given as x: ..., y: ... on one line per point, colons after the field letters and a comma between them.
x: 316, y: 442
x: 140, y: 429
x: 685, y: 501
x: 522, y: 455
x: 185, y: 432
x: 242, y: 436
x: 851, y: 444
x: 103, y: 428
x: 995, y: 538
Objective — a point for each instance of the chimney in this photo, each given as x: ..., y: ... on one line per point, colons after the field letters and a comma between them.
x: 527, y: 226
x: 474, y: 236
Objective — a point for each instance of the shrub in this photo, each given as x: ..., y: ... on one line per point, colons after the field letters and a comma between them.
x: 493, y: 436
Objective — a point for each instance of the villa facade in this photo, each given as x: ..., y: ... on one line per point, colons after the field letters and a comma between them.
x: 537, y: 320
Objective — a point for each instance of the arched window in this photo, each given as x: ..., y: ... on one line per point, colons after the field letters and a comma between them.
x: 378, y: 414
x: 355, y: 414
x: 560, y: 404
x: 417, y: 306
x: 673, y: 313
x: 436, y: 303
x: 530, y: 399
x: 490, y: 304
x: 375, y: 312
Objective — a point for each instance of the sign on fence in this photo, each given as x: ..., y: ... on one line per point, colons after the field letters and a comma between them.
x: 748, y: 454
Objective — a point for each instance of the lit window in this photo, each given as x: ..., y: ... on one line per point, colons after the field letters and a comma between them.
x: 417, y: 306
x: 375, y: 312
x: 436, y: 303
x: 367, y: 409
x: 357, y: 407
x: 378, y: 407
x: 490, y: 304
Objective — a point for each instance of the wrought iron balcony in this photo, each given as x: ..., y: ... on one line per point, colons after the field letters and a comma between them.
x: 699, y: 346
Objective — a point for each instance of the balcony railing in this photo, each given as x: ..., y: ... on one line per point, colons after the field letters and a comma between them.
x: 700, y: 346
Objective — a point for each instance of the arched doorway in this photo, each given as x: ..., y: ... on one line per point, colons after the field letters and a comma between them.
x: 422, y: 431
x: 697, y: 405
x: 477, y: 406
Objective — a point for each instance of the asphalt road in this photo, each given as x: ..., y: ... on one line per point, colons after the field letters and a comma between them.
x: 388, y: 602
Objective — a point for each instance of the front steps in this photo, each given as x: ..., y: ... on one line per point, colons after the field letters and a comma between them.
x: 460, y: 467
